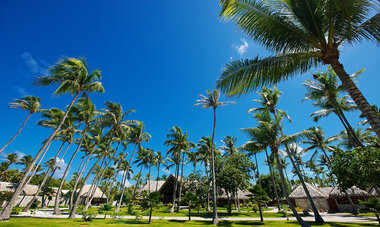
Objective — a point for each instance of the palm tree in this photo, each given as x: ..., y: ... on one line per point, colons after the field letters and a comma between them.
x: 160, y: 160
x: 204, y: 152
x: 324, y: 90
x: 254, y: 148
x: 193, y: 158
x: 269, y: 132
x: 212, y: 101
x: 84, y: 112
x: 73, y: 77
x: 229, y: 145
x: 317, y: 141
x: 303, y: 35
x: 179, y: 145
x: 26, y: 161
x: 29, y: 103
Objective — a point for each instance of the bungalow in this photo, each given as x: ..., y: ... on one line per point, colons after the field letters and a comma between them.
x: 329, y: 199
x: 30, y: 190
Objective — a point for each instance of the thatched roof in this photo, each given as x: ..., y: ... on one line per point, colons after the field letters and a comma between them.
x: 353, y: 191
x: 241, y: 194
x: 372, y: 191
x: 153, y: 185
x: 315, y: 192
x: 28, y: 190
x: 98, y: 193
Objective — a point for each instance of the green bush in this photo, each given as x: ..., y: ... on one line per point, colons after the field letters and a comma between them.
x: 284, y: 210
x: 16, y: 210
x: 255, y: 207
x: 35, y: 204
x: 89, y: 215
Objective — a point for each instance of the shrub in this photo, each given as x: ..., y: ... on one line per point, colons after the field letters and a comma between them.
x: 284, y: 210
x: 35, y: 204
x: 16, y: 210
x: 89, y: 215
x: 255, y: 207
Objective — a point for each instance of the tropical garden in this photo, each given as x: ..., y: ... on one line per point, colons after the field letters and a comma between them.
x: 113, y: 148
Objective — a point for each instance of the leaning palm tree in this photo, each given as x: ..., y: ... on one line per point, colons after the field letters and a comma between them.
x: 324, y: 91
x: 303, y: 35
x: 25, y: 161
x: 73, y: 77
x: 207, y: 102
x: 84, y: 112
x: 29, y: 103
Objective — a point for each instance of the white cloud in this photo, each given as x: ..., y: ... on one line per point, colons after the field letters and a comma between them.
x: 33, y: 65
x: 20, y: 154
x: 242, y: 49
x: 127, y: 184
x: 62, y: 167
x: 166, y: 171
x: 21, y: 91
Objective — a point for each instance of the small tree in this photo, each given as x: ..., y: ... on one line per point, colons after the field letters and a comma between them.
x: 260, y: 197
x: 106, y: 208
x: 372, y: 205
x: 151, y: 200
x: 191, y: 200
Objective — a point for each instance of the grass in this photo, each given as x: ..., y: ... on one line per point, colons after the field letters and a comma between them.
x: 41, y: 222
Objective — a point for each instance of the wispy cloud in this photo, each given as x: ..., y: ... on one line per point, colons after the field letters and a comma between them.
x: 166, y: 171
x: 62, y: 167
x: 242, y: 48
x: 34, y: 65
x: 21, y: 91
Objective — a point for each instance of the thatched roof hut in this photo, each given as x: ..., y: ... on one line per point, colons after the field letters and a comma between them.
x: 98, y: 193
x: 153, y: 186
x: 353, y: 191
x: 299, y: 192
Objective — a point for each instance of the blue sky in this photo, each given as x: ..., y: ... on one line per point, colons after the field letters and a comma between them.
x: 155, y: 57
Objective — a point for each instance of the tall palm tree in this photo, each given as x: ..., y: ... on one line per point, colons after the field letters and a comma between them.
x: 73, y: 77
x: 269, y: 106
x: 194, y: 159
x: 324, y: 90
x: 84, y: 112
x: 204, y: 152
x: 317, y: 141
x: 29, y: 103
x: 207, y: 102
x: 229, y: 145
x: 269, y: 132
x: 25, y: 161
x: 254, y: 148
x: 303, y: 35
x: 160, y: 160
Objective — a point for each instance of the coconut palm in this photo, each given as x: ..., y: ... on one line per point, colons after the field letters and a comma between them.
x: 25, y: 161
x: 29, y: 103
x: 269, y: 132
x: 160, y: 160
x: 269, y: 106
x: 11, y: 158
x: 204, y: 153
x: 73, y: 77
x: 254, y: 148
x: 303, y: 35
x: 324, y: 90
x: 207, y: 102
x: 317, y: 141
x: 229, y: 145
x: 84, y: 112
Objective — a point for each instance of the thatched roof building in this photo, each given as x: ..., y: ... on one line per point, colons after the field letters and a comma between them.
x: 353, y: 191
x: 153, y: 186
x: 315, y: 192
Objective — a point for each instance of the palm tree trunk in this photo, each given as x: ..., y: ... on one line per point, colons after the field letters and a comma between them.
x: 258, y: 172
x: 36, y: 167
x: 73, y: 190
x: 273, y: 182
x: 80, y: 174
x: 215, y: 220
x: 126, y: 175
x: 158, y: 176
x: 317, y: 216
x: 150, y: 167
x: 89, y: 192
x: 175, y: 188
x: 180, y: 183
x: 208, y: 189
x: 72, y: 212
x: 8, y: 209
x: 51, y: 176
x: 19, y: 130
x: 137, y: 183
x: 43, y: 181
x: 356, y: 95
x: 286, y: 194
x: 56, y: 204
x: 350, y: 132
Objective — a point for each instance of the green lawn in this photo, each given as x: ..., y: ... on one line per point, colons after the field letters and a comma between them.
x: 115, y: 222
